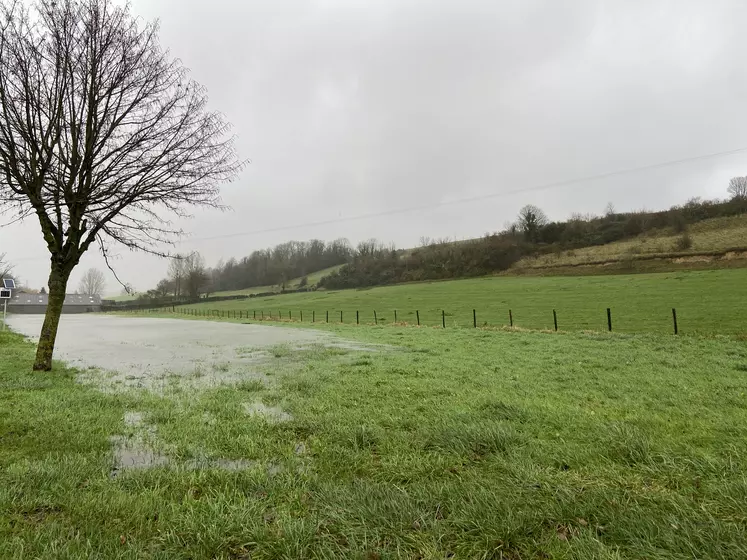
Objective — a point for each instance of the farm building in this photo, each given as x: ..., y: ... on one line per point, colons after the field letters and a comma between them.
x: 37, y: 303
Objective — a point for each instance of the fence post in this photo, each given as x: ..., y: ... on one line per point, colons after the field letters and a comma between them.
x: 376, y: 319
x: 395, y: 315
x: 443, y: 318
x: 555, y: 319
x: 357, y: 318
x: 263, y: 315
x: 301, y: 315
x: 510, y: 318
x: 609, y: 319
x: 313, y: 316
x: 255, y: 313
x: 474, y: 317
x: 328, y: 316
x: 290, y: 317
x: 417, y: 314
x: 674, y: 318
x: 341, y: 316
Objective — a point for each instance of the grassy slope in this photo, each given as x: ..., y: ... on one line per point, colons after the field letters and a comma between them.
x: 456, y: 444
x: 718, y: 234
x: 706, y: 302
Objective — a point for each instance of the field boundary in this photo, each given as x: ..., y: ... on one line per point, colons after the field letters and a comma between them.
x: 325, y: 317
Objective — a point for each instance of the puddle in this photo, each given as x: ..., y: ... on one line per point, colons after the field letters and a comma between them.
x: 133, y: 419
x: 270, y: 413
x: 130, y: 453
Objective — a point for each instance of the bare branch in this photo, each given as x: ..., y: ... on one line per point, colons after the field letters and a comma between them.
x: 103, y: 134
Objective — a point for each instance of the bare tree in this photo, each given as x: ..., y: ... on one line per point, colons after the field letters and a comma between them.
x: 6, y: 269
x: 176, y: 274
x: 92, y: 283
x: 102, y: 133
x: 531, y: 219
x: 738, y: 187
x: 196, y: 277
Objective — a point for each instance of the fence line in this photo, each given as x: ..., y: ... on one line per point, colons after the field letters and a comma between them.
x: 242, y: 314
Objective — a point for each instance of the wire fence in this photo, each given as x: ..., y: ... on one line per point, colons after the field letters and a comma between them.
x: 444, y: 320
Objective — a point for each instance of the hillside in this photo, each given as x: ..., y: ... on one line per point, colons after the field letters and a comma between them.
x: 699, y: 234
x: 715, y: 243
x: 312, y: 280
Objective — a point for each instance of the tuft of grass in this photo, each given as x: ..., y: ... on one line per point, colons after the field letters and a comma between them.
x: 627, y: 444
x: 281, y: 351
x: 250, y: 386
x: 473, y: 438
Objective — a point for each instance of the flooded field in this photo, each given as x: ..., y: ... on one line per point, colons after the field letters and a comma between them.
x: 118, y: 352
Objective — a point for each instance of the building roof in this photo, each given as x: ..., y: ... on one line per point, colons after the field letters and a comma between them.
x: 43, y: 299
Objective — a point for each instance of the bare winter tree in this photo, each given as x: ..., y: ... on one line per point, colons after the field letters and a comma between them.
x: 176, y: 274
x: 738, y: 187
x: 531, y: 219
x: 6, y: 269
x: 195, y: 275
x: 102, y: 135
x: 92, y: 283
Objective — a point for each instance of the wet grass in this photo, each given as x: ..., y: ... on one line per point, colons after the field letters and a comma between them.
x: 707, y: 302
x: 455, y: 444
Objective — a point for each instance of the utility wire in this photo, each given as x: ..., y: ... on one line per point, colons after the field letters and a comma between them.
x: 542, y: 187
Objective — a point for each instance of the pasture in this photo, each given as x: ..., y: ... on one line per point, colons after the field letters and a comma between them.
x: 707, y: 302
x: 419, y: 443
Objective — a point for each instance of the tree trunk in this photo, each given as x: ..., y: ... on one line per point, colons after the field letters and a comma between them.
x: 57, y: 287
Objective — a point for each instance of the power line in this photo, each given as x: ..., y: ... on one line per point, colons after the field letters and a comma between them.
x: 546, y: 186
x: 542, y: 187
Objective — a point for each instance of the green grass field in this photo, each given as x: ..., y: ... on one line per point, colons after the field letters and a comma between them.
x: 707, y: 302
x: 438, y: 444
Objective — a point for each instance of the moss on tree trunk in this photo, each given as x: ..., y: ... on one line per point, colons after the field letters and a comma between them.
x: 57, y: 288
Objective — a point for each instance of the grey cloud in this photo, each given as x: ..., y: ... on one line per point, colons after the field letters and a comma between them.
x: 355, y: 107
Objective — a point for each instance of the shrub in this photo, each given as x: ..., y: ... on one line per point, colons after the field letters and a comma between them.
x: 683, y: 242
x: 679, y: 222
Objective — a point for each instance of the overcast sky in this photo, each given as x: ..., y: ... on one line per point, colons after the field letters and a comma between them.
x: 355, y: 107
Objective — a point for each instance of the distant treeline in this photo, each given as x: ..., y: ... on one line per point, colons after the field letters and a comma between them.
x: 372, y: 263
x: 532, y: 234
x: 278, y: 265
